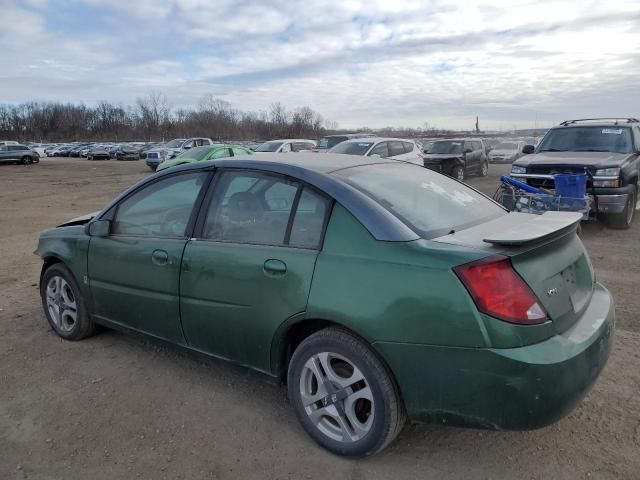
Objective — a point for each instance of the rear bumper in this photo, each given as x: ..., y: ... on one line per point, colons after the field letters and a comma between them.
x: 514, y: 388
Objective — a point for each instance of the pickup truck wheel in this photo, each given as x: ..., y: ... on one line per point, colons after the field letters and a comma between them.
x: 484, y: 170
x: 624, y: 219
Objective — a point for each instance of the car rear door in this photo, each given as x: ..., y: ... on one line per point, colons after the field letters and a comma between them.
x: 134, y: 271
x: 251, y: 264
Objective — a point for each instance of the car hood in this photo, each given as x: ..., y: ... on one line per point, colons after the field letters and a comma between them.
x: 591, y: 159
x: 79, y: 220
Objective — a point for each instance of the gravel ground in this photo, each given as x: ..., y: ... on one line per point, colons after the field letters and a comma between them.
x: 118, y: 407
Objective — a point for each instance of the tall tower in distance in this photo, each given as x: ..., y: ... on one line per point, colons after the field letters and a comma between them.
x: 477, y: 125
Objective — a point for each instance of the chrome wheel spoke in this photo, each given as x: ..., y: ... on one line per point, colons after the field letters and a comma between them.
x: 337, y: 397
x: 61, y: 303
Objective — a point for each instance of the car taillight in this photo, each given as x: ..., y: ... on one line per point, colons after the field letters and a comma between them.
x: 498, y: 290
x: 421, y: 154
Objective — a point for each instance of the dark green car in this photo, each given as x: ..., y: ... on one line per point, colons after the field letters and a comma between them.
x: 206, y: 152
x: 377, y: 290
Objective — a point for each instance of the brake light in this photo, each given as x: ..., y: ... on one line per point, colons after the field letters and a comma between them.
x: 421, y: 154
x: 498, y: 290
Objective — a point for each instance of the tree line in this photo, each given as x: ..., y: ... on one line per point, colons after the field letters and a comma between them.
x: 153, y: 119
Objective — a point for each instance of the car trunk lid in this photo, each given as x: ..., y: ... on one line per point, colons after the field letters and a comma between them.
x: 546, y: 252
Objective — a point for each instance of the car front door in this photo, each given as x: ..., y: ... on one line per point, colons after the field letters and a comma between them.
x: 250, y: 267
x: 471, y: 157
x: 134, y: 271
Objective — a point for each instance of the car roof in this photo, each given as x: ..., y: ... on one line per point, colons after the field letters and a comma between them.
x: 313, y: 170
x: 378, y: 139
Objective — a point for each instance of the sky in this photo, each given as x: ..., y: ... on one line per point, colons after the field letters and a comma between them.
x: 514, y: 64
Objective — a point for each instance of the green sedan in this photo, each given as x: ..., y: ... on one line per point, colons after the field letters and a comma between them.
x: 377, y: 290
x: 206, y: 152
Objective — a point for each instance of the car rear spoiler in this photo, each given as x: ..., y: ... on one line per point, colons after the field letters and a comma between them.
x: 528, y: 228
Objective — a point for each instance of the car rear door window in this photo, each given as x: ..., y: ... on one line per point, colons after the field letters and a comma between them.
x: 395, y: 149
x: 381, y: 149
x: 250, y: 207
x: 238, y: 152
x: 308, y: 223
x: 161, y: 209
x: 408, y: 147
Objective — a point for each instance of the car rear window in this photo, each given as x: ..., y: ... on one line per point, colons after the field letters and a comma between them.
x: 352, y: 148
x: 330, y: 142
x: 429, y: 203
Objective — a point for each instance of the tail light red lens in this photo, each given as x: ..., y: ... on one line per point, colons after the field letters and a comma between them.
x: 498, y: 290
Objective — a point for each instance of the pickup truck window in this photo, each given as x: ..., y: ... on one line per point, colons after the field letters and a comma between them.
x: 588, y: 139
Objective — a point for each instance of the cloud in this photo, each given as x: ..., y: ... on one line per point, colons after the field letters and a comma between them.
x: 373, y: 63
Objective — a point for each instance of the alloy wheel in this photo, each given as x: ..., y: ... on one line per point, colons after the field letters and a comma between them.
x: 61, y: 304
x: 337, y: 397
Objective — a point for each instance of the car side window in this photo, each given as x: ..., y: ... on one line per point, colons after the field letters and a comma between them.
x: 222, y: 153
x: 381, y: 149
x: 250, y: 207
x: 308, y: 223
x: 238, y: 152
x: 396, y: 148
x: 160, y: 210
x: 301, y: 146
x: 3, y: 148
x: 408, y: 147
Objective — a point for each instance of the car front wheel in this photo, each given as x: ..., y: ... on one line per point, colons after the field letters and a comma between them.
x: 343, y: 395
x: 63, y: 304
x: 457, y: 172
x: 26, y: 160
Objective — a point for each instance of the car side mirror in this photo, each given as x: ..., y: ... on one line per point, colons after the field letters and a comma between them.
x: 467, y: 150
x: 98, y: 228
x: 527, y: 149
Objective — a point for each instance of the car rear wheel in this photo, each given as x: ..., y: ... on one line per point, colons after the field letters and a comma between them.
x: 624, y: 219
x: 343, y: 395
x: 63, y: 304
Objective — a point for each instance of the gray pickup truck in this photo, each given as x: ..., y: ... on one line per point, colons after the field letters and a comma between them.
x: 607, y: 149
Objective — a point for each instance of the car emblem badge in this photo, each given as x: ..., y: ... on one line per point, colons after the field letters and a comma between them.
x: 553, y: 292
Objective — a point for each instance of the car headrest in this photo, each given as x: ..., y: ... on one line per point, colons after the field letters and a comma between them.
x: 244, y: 207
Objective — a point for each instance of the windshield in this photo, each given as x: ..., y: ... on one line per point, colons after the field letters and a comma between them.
x: 174, y: 143
x: 326, y: 143
x: 587, y: 139
x: 352, y: 148
x: 448, y: 146
x: 197, y: 153
x: 430, y: 204
x: 269, y: 147
x: 506, y: 146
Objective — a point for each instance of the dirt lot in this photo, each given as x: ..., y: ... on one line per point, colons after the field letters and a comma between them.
x: 117, y: 407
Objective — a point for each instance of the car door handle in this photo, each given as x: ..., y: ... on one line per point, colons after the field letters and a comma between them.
x: 273, y: 266
x: 160, y: 257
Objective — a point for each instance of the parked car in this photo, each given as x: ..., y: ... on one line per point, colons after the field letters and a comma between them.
x: 201, y: 154
x: 396, y: 148
x: 98, y: 152
x: 125, y: 153
x: 18, y: 154
x: 286, y: 146
x: 457, y: 157
x: 172, y: 149
x: 367, y: 285
x: 8, y: 142
x: 75, y: 151
x: 607, y: 148
x: 328, y: 142
x: 506, y: 152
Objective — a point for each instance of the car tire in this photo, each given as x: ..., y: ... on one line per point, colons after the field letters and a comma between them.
x: 63, y: 304
x: 624, y: 219
x: 26, y: 160
x: 458, y: 173
x: 153, y: 169
x: 484, y: 169
x: 357, y: 409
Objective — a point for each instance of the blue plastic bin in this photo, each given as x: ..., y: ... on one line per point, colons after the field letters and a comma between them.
x: 571, y: 185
